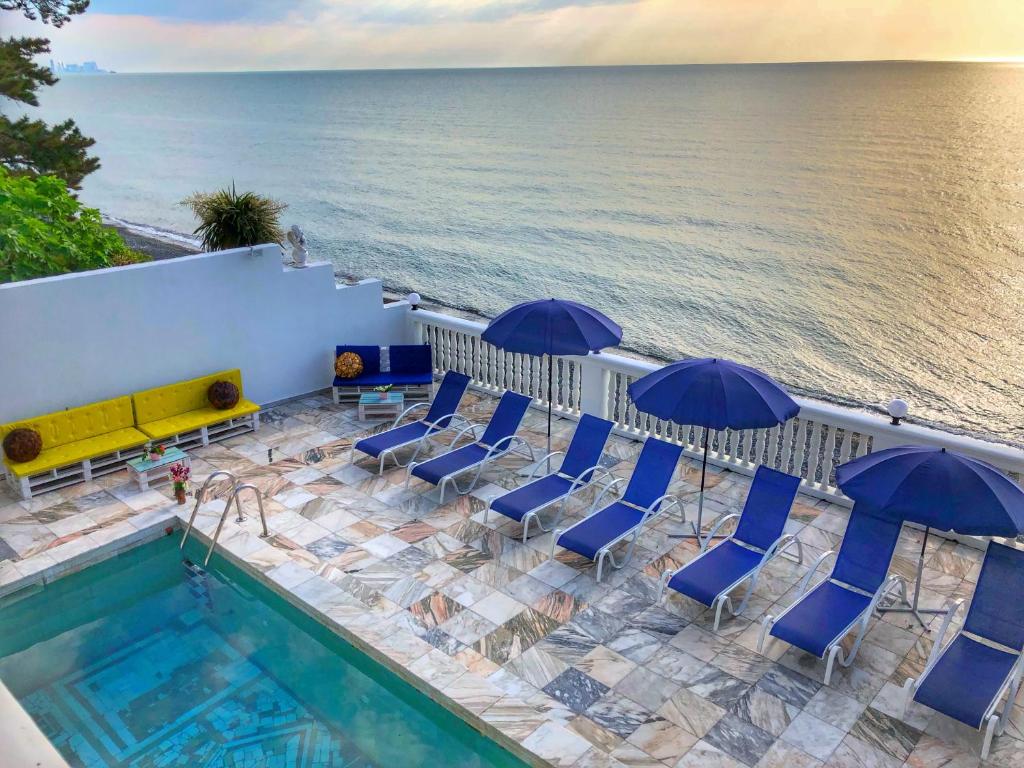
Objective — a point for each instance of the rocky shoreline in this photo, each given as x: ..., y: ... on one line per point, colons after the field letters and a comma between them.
x: 154, y: 247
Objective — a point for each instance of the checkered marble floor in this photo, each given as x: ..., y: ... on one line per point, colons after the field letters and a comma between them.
x: 579, y: 673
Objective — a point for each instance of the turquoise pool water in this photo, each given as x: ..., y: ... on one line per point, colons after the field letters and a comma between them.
x: 140, y: 661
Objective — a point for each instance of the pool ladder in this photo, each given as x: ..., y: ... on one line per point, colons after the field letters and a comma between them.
x: 236, y: 491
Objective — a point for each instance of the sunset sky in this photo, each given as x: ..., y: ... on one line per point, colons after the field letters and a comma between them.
x: 203, y: 35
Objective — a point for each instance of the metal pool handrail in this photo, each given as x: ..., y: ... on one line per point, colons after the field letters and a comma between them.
x: 199, y: 500
x: 241, y: 517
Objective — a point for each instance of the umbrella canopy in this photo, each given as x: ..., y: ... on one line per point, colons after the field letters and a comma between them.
x: 552, y: 327
x: 713, y: 393
x: 936, y: 488
x: 716, y: 394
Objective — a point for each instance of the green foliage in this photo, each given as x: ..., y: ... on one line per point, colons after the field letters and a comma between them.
x: 46, y: 231
x: 31, y: 147
x: 20, y: 77
x: 56, y: 12
x: 228, y: 219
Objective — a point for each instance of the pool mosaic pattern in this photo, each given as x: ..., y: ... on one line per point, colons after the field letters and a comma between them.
x: 583, y: 675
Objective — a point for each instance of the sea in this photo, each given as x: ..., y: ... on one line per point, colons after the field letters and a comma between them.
x: 853, y: 229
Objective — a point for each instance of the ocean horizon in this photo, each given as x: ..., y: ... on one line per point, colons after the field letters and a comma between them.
x: 850, y: 228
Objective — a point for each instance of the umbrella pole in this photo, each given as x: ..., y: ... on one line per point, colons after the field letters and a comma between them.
x: 700, y: 499
x: 915, y: 607
x: 550, y: 367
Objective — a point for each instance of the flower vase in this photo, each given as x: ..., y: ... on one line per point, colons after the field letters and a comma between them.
x: 179, y: 493
x: 154, y: 456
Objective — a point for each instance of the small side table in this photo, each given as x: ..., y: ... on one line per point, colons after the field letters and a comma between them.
x: 374, y: 407
x: 146, y: 471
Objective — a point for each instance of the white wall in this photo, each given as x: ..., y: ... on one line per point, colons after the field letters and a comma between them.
x: 74, y: 339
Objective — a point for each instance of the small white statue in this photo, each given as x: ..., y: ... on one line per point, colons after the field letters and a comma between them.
x: 298, y: 243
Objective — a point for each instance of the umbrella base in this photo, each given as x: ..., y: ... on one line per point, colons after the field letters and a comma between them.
x: 701, y: 536
x: 916, y: 611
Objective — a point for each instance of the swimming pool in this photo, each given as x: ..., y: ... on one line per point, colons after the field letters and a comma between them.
x: 142, y: 661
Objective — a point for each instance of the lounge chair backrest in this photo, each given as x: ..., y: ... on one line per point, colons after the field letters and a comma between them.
x: 507, y: 416
x: 653, y: 472
x: 997, y: 608
x: 369, y: 355
x: 866, y: 551
x: 411, y: 358
x: 767, y: 508
x: 587, y: 445
x: 446, y: 400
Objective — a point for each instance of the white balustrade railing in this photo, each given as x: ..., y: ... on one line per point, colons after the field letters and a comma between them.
x: 811, y: 446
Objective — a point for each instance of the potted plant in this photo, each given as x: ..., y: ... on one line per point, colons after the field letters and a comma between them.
x: 180, y: 474
x: 154, y: 452
x: 229, y: 219
x: 383, y: 389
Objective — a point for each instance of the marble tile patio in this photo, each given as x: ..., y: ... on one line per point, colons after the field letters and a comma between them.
x: 534, y: 651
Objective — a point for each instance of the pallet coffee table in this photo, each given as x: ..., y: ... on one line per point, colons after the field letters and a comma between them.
x: 373, y: 407
x: 144, y: 471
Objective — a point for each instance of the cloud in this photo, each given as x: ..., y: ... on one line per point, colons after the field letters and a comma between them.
x: 424, y: 12
x: 329, y: 34
x: 208, y: 10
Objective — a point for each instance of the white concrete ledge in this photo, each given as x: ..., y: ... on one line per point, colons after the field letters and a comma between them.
x: 23, y: 744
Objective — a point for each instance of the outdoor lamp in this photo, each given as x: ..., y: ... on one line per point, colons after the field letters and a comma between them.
x: 413, y: 299
x: 898, y: 410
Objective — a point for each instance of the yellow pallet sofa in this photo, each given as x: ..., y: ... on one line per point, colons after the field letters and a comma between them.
x: 180, y: 414
x: 78, y: 444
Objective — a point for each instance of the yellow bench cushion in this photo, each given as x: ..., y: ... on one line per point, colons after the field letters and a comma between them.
x: 191, y: 420
x: 162, y: 403
x: 79, y: 450
x: 77, y: 424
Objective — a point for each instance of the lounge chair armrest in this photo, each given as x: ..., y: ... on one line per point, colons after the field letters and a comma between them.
x: 779, y: 546
x: 406, y: 412
x: 543, y: 460
x: 471, y: 428
x: 715, y: 528
x: 580, y: 480
x: 494, y: 449
x: 596, y: 505
x: 952, y: 606
x: 452, y: 418
x: 806, y: 581
x: 658, y: 506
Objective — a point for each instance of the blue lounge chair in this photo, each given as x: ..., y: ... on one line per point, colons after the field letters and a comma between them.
x: 440, y: 416
x: 595, y: 535
x: 496, y: 440
x: 758, y: 538
x: 580, y: 469
x: 818, y: 620
x: 967, y: 678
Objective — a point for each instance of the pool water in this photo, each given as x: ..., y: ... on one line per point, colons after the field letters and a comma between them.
x: 142, y: 661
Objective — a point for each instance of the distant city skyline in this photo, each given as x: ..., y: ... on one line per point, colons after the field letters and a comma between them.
x: 85, y: 68
x: 192, y: 35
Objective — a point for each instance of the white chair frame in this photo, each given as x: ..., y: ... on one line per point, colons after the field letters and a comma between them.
x: 655, y: 508
x: 454, y: 417
x: 834, y: 651
x: 579, y: 483
x: 494, y: 452
x: 723, y: 599
x: 994, y: 724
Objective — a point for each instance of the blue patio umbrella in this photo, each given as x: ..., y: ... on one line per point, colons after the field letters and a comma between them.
x: 552, y: 327
x: 938, y: 489
x: 714, y: 394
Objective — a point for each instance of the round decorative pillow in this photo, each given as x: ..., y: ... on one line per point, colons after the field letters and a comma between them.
x: 222, y: 395
x: 348, y: 365
x: 22, y: 444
